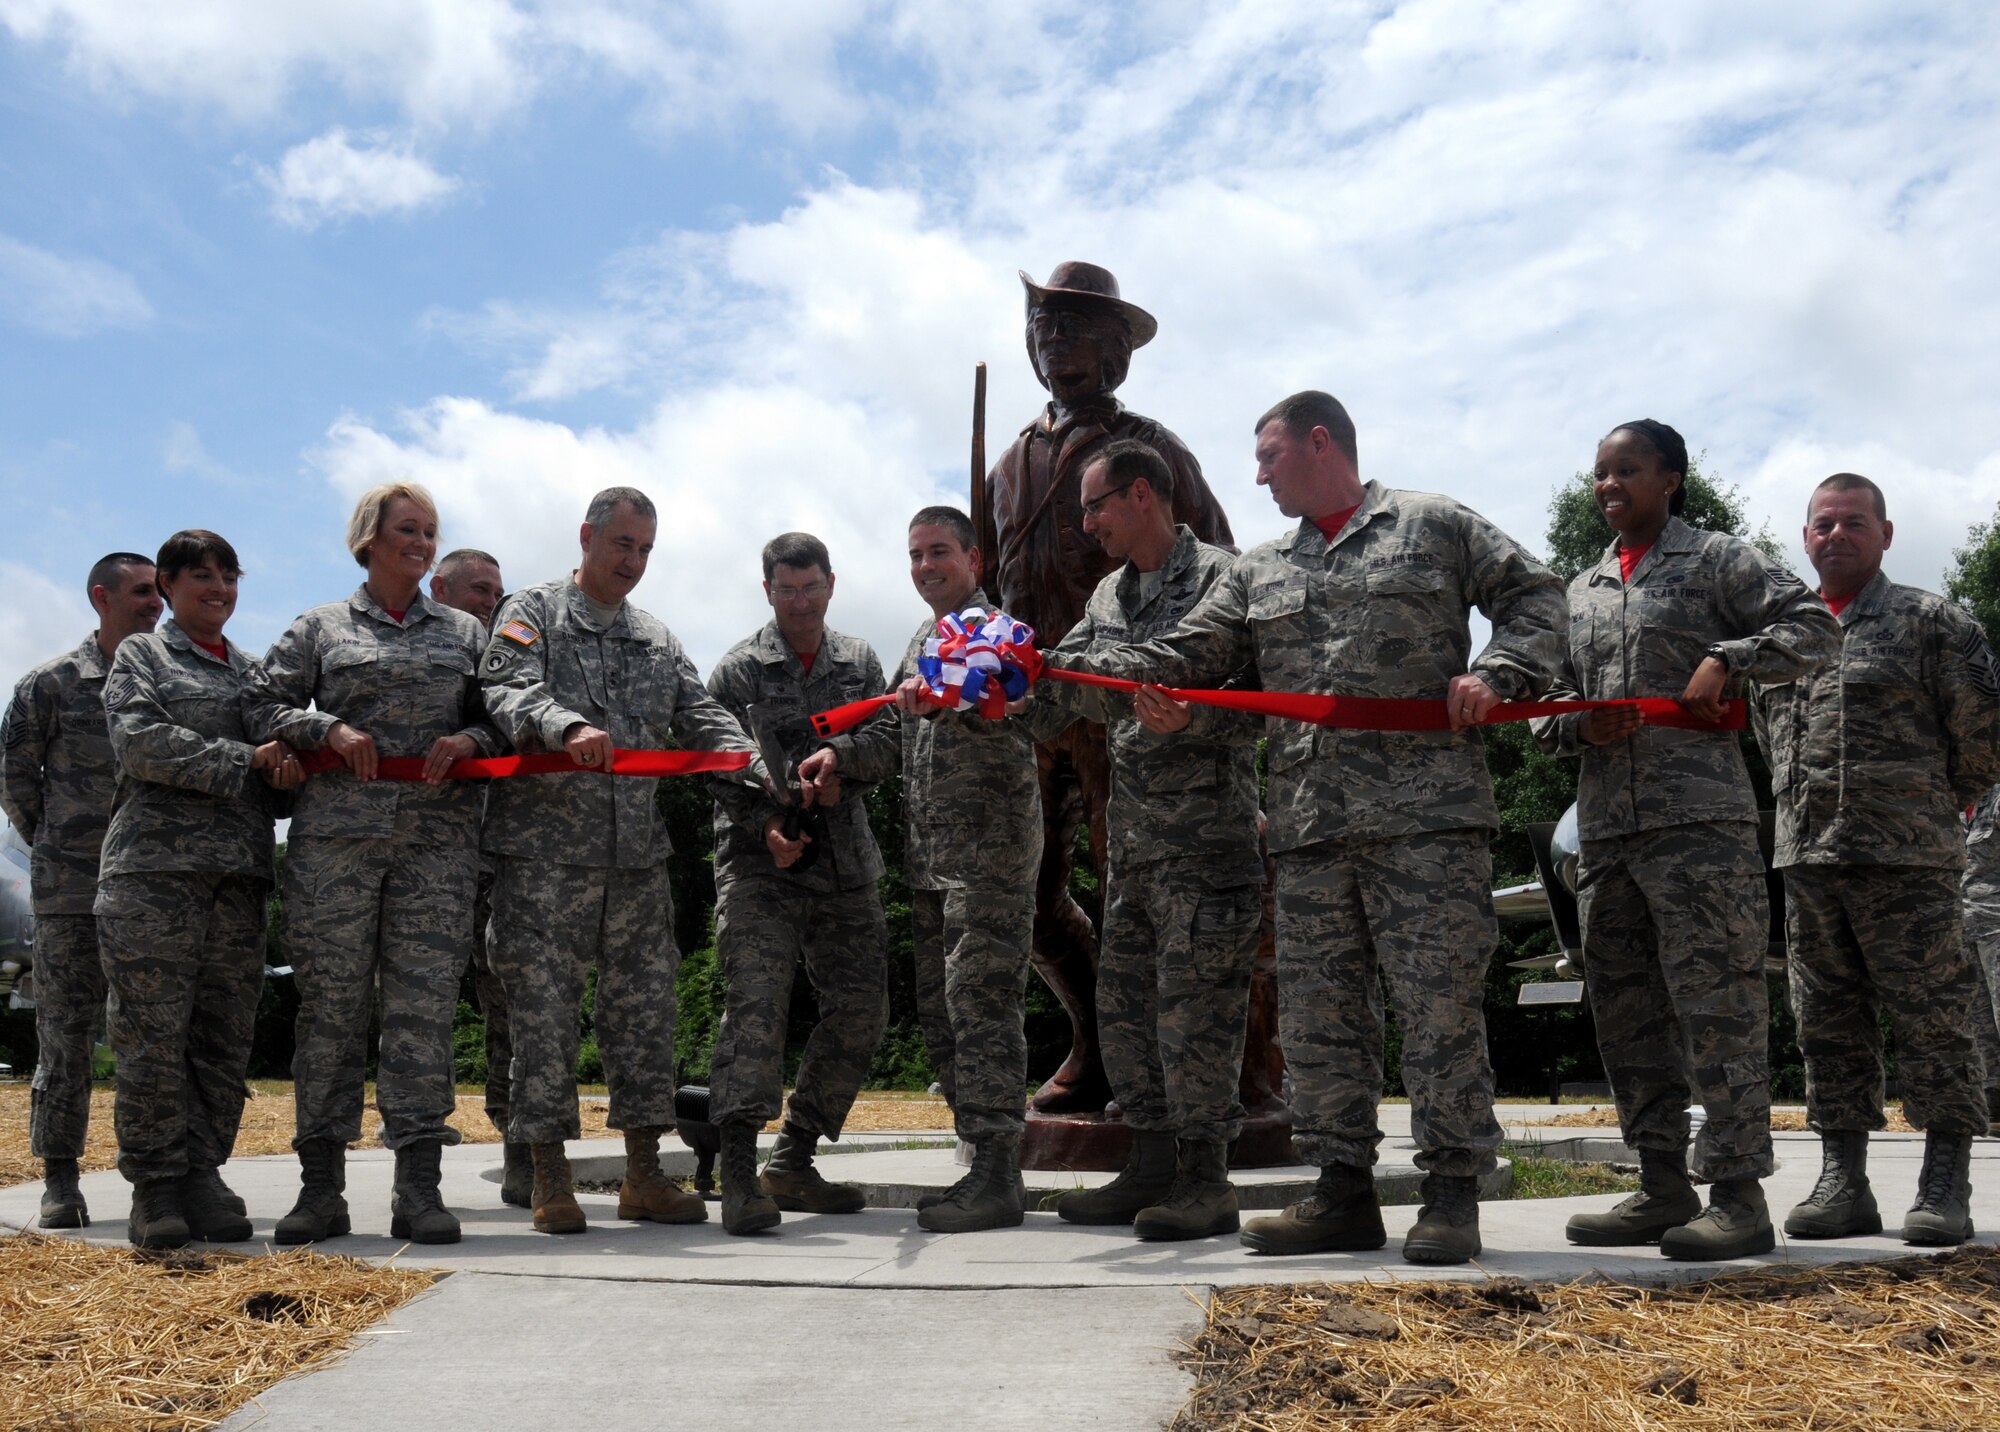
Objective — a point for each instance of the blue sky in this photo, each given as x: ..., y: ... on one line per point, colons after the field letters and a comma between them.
x: 255, y: 257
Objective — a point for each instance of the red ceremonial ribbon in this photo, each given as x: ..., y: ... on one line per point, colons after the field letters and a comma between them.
x: 1347, y: 713
x: 623, y: 763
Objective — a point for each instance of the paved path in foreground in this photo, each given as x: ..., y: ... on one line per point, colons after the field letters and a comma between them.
x: 864, y: 1321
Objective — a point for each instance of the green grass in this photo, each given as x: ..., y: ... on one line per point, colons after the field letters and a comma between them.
x: 1538, y: 1176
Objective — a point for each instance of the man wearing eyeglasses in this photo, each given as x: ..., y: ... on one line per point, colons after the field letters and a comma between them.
x: 775, y: 907
x: 1183, y: 902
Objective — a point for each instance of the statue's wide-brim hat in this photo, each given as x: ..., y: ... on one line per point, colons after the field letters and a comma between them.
x: 1084, y: 285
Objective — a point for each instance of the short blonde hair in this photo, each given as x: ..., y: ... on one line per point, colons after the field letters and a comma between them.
x: 366, y: 522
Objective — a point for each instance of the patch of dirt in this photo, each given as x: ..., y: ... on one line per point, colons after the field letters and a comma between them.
x: 1784, y: 1121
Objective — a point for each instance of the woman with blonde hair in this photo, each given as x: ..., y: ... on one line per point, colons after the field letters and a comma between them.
x: 379, y: 875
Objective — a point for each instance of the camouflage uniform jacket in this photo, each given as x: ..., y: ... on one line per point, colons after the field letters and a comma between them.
x: 764, y: 669
x: 1379, y: 612
x: 1984, y: 825
x: 187, y: 799
x: 1875, y: 756
x: 972, y: 806
x: 1188, y: 796
x: 1693, y: 591
x: 548, y: 668
x: 405, y: 685
x: 58, y: 776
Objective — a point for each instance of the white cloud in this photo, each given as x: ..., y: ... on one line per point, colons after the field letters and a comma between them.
x: 66, y: 297
x: 185, y: 455
x: 331, y: 178
x: 436, y: 61
x: 39, y: 619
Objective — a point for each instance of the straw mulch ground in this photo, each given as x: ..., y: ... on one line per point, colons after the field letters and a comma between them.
x: 1791, y: 1121
x: 267, y: 1124
x: 1908, y: 1344
x: 114, y: 1340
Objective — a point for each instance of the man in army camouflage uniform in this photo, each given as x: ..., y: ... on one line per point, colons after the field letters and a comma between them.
x: 56, y: 782
x: 778, y: 903
x: 1380, y: 837
x: 973, y: 839
x: 1676, y: 917
x: 1982, y: 938
x: 582, y: 860
x: 1873, y: 759
x: 1183, y: 903
x: 182, y: 884
x: 468, y: 580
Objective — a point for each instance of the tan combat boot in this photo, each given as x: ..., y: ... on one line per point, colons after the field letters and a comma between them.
x: 1666, y: 1199
x: 1942, y: 1214
x: 1736, y: 1224
x: 556, y: 1208
x: 1447, y: 1226
x: 1841, y: 1204
x: 1146, y: 1180
x: 1202, y: 1201
x: 1340, y: 1215
x: 989, y: 1196
x: 62, y: 1196
x: 746, y: 1208
x: 647, y: 1194
x: 796, y: 1186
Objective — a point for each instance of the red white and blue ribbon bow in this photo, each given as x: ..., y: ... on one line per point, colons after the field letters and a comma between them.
x: 976, y: 661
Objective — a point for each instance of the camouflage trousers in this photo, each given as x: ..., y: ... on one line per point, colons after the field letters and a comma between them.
x: 1415, y: 913
x: 971, y: 950
x: 363, y: 914
x: 1865, y: 939
x: 492, y: 998
x: 764, y: 927
x: 69, y: 1008
x: 1676, y: 927
x: 1173, y: 996
x: 551, y: 923
x: 184, y: 958
x: 1981, y: 890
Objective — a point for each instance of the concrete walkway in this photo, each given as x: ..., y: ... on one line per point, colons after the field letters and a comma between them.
x: 865, y: 1320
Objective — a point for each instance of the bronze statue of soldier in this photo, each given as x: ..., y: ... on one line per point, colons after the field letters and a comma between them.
x: 1043, y: 568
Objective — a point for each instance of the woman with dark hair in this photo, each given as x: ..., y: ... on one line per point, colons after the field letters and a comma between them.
x: 379, y: 875
x: 1671, y: 878
x: 180, y: 896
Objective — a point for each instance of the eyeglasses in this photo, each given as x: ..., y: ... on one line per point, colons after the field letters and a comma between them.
x: 1096, y: 504
x: 811, y: 591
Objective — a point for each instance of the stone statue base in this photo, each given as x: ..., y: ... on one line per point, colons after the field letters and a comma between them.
x: 1101, y: 1141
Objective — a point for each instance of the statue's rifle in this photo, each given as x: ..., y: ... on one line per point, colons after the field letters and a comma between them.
x: 982, y: 528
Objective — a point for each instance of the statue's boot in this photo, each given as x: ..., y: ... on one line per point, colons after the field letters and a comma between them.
x: 1666, y: 1199
x: 62, y: 1196
x: 645, y: 1193
x: 1146, y: 1179
x: 1341, y: 1215
x: 796, y: 1186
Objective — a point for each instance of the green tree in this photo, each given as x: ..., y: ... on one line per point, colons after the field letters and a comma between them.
x: 1973, y: 579
x: 1578, y: 533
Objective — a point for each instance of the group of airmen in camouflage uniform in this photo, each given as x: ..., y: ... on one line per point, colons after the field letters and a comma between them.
x: 1878, y: 707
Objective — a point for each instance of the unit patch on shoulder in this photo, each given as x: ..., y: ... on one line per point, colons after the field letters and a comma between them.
x: 519, y: 631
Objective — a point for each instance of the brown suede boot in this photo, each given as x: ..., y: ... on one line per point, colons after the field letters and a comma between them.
x: 556, y: 1208
x: 646, y: 1194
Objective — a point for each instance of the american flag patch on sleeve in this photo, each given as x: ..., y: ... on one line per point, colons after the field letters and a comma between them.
x: 519, y: 632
